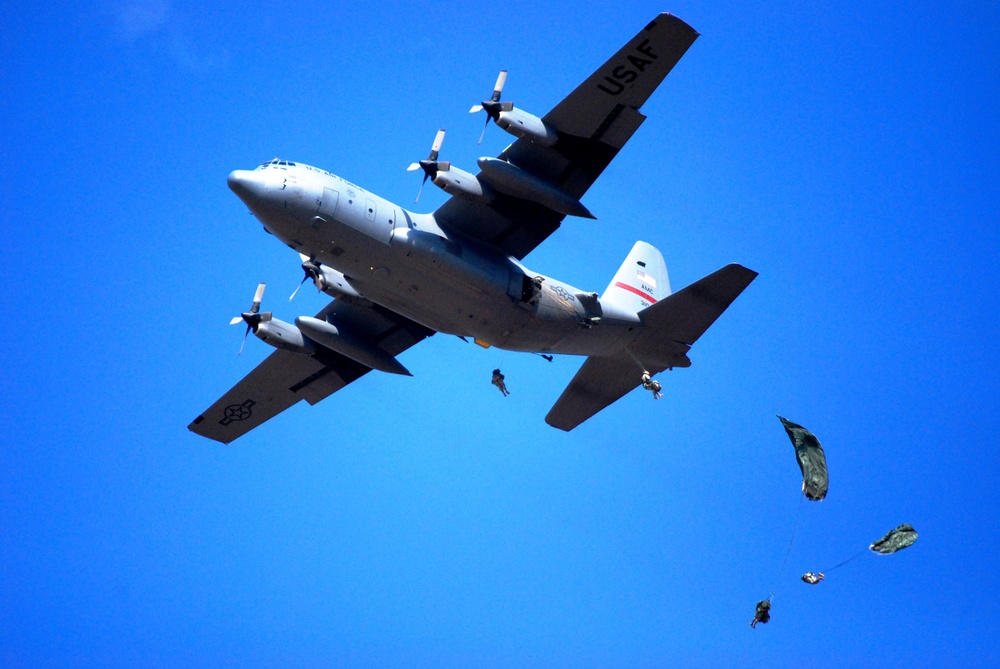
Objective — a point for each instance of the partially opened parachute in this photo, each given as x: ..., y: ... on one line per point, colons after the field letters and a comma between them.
x: 896, y: 540
x: 812, y: 460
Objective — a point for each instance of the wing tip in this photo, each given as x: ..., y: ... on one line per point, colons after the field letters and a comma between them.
x: 553, y: 421
x: 667, y: 16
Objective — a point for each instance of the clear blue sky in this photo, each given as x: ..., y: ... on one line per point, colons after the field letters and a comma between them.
x: 848, y: 152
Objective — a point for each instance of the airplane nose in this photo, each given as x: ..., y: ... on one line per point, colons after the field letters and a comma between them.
x: 245, y: 184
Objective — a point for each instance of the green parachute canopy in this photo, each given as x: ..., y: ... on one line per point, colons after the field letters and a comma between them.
x: 895, y: 540
x: 812, y: 460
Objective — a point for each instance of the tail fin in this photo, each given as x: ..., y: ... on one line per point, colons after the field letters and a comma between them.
x: 640, y: 282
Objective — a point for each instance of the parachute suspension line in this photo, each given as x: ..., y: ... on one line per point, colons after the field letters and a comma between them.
x: 559, y: 301
x: 784, y: 561
x: 642, y: 367
x: 567, y: 307
x: 853, y: 557
x: 646, y: 378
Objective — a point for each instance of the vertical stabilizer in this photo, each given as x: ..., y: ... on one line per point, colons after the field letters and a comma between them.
x: 640, y: 282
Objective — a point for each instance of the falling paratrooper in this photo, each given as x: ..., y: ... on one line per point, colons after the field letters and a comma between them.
x: 762, y: 614
x: 812, y: 579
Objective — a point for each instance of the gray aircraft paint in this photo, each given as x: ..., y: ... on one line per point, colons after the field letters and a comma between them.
x: 400, y: 276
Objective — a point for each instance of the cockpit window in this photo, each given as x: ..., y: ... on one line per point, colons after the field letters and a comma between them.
x: 274, y: 162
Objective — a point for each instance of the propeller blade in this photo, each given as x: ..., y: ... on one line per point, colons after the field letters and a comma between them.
x: 252, y: 318
x: 421, y: 190
x: 483, y: 133
x: 431, y: 165
x: 295, y: 292
x: 476, y: 109
x: 492, y: 106
x: 257, y: 297
x: 244, y: 340
x: 436, y: 146
x: 311, y: 270
x: 498, y: 88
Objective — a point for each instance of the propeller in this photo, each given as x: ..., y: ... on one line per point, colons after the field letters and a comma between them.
x: 493, y: 106
x: 312, y: 271
x: 431, y: 166
x: 252, y: 318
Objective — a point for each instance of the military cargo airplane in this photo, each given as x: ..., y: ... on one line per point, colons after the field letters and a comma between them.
x: 397, y: 276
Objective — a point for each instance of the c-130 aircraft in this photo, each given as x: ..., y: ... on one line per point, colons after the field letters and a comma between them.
x: 397, y: 276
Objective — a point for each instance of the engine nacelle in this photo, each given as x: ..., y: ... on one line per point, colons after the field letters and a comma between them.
x: 335, y: 284
x: 357, y: 349
x: 515, y: 182
x: 455, y: 181
x: 285, y: 336
x: 522, y: 124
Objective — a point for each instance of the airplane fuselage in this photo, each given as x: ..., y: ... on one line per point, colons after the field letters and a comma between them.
x: 407, y: 263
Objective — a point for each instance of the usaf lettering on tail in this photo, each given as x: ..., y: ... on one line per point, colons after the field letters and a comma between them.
x: 398, y: 276
x: 623, y: 75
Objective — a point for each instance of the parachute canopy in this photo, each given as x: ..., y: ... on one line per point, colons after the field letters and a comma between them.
x: 812, y: 460
x: 895, y: 540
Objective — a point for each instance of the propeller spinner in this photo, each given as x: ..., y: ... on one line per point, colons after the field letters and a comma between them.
x: 493, y: 106
x: 431, y: 166
x: 252, y: 318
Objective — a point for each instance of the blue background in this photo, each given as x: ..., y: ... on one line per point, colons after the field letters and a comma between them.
x: 846, y: 151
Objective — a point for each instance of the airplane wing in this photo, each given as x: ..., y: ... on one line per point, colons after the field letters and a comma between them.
x: 284, y: 378
x: 594, y: 122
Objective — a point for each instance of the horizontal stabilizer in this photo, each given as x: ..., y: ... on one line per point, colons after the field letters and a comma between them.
x: 600, y: 382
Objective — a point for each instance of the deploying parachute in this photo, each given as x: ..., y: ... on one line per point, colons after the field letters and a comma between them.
x: 815, y: 483
x: 895, y: 540
x: 812, y: 460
